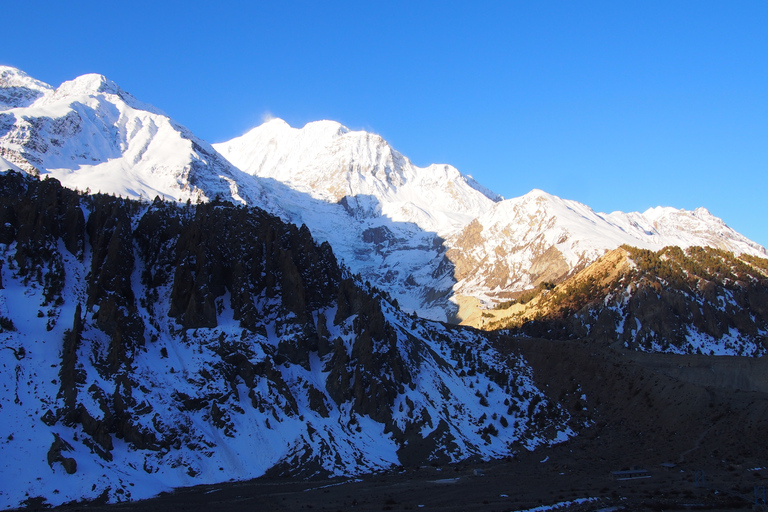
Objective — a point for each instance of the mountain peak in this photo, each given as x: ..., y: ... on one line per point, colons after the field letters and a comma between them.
x: 702, y: 212
x: 699, y: 216
x: 538, y: 193
x: 91, y: 134
x: 326, y: 126
x: 92, y: 85
x: 274, y: 122
x: 328, y: 161
x: 14, y: 77
x: 275, y: 128
x: 88, y: 84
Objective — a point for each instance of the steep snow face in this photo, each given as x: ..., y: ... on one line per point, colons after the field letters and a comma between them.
x: 538, y: 237
x: 329, y: 162
x: 90, y: 134
x: 17, y: 89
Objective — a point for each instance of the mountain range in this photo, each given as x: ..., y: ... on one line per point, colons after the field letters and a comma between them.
x: 434, y: 239
x: 175, y: 313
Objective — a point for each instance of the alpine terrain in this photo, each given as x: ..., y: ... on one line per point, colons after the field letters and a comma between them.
x: 438, y: 242
x: 287, y: 306
x: 698, y: 300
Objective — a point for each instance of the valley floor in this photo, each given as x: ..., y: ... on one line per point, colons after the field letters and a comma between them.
x: 522, y: 484
x: 705, y: 416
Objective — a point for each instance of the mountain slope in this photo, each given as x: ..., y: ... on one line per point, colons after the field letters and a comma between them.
x: 150, y: 346
x: 485, y: 248
x: 329, y: 162
x: 90, y: 134
x: 522, y: 242
x: 700, y: 300
x: 386, y: 218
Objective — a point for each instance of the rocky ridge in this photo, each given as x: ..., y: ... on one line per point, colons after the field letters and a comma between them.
x: 523, y: 242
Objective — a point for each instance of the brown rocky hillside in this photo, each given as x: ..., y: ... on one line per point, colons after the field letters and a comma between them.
x: 698, y: 300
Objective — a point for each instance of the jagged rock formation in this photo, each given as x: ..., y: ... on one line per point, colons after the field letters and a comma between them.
x: 700, y: 300
x: 154, y: 345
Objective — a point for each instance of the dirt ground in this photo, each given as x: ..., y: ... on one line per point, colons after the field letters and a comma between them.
x: 697, y: 424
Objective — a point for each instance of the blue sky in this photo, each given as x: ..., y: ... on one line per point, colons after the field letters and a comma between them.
x: 619, y: 105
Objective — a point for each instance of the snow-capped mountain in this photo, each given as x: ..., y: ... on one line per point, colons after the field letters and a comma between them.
x: 386, y: 218
x: 329, y: 162
x: 432, y: 238
x: 485, y: 248
x: 522, y: 242
x: 663, y: 226
x: 91, y: 135
x: 151, y: 345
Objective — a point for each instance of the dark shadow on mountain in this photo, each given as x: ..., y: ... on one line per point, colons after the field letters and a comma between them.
x: 48, y: 134
x: 19, y: 96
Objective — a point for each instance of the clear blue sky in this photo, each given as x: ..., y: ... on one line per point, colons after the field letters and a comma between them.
x: 621, y: 105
